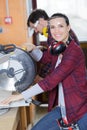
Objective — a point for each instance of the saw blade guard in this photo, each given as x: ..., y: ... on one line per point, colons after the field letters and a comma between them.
x: 18, y: 72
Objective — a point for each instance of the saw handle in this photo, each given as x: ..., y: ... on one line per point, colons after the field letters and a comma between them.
x: 7, y: 48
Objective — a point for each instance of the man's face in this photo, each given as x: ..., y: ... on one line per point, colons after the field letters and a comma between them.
x: 37, y: 26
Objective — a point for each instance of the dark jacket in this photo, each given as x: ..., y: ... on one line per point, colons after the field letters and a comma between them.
x: 72, y: 73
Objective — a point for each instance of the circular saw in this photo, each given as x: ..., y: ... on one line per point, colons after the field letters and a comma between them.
x: 17, y: 68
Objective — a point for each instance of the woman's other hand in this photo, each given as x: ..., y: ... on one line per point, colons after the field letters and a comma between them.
x: 12, y: 98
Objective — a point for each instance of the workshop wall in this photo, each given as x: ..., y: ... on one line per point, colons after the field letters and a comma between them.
x: 13, y: 22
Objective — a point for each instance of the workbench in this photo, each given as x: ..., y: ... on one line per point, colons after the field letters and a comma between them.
x: 17, y: 118
x: 10, y: 119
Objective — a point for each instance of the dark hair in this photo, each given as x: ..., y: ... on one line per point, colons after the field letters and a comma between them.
x: 60, y: 15
x: 35, y: 15
x: 73, y: 36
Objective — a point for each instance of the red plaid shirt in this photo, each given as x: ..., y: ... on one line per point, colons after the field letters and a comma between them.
x: 72, y: 73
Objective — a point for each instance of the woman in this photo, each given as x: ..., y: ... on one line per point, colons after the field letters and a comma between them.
x: 68, y: 75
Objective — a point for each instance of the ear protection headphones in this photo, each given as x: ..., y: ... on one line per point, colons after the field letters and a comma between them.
x: 58, y: 47
x: 45, y: 31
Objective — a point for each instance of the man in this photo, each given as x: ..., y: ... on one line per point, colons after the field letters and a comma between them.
x: 38, y: 23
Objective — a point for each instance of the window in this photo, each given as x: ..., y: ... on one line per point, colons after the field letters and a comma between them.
x: 74, y: 9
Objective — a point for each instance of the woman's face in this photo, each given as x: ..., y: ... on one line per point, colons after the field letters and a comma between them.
x: 59, y: 29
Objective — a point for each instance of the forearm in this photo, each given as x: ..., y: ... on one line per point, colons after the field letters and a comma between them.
x: 36, y: 54
x: 32, y: 91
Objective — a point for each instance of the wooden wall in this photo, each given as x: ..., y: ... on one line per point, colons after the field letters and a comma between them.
x: 17, y: 32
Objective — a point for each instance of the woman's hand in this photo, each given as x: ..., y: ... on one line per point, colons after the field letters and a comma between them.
x: 12, y: 98
x: 28, y: 46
